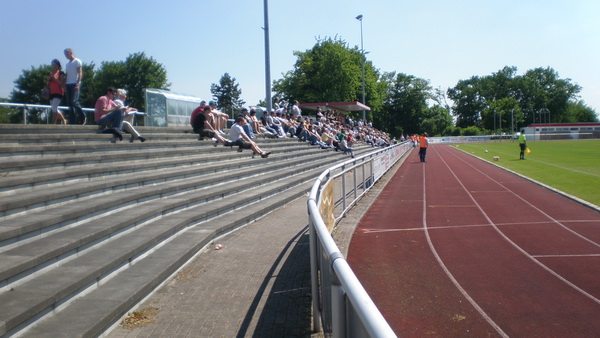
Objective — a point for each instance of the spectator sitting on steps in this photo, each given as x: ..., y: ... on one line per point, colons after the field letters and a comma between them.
x: 127, y: 119
x: 248, y: 129
x: 219, y: 118
x: 203, y: 125
x: 198, y: 111
x: 255, y: 123
x: 239, y: 138
x: 108, y: 114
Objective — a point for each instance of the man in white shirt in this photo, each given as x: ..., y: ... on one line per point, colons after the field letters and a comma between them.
x: 239, y: 138
x: 296, y: 109
x: 74, y: 72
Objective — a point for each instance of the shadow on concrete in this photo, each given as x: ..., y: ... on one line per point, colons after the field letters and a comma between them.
x: 287, y: 311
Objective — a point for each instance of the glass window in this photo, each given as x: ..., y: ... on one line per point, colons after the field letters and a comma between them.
x: 165, y: 108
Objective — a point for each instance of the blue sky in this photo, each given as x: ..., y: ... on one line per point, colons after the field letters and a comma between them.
x: 200, y: 40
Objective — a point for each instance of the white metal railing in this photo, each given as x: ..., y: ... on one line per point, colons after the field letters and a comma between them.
x: 25, y: 107
x: 341, y: 306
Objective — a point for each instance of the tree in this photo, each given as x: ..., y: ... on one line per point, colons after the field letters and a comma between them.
x: 227, y: 93
x: 483, y: 101
x: 468, y: 102
x: 88, y: 95
x: 543, y: 89
x: 579, y: 112
x: 142, y: 72
x: 27, y: 89
x: 9, y: 114
x: 135, y: 74
x: 437, y: 121
x: 405, y: 108
x: 29, y: 85
x: 110, y: 74
x: 329, y: 72
x: 501, y: 113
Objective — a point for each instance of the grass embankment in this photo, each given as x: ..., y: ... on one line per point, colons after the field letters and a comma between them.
x: 569, y: 166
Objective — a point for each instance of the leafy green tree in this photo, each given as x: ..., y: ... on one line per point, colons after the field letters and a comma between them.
x: 27, y: 89
x: 468, y: 102
x: 143, y: 72
x: 227, y: 93
x: 135, y: 74
x: 9, y: 114
x: 543, y: 89
x: 580, y: 112
x: 405, y: 108
x: 88, y: 94
x: 29, y: 84
x: 501, y: 113
x: 437, y: 121
x: 484, y: 101
x: 329, y: 72
x: 110, y: 74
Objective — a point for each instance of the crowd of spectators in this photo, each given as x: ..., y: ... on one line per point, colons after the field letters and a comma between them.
x: 326, y: 129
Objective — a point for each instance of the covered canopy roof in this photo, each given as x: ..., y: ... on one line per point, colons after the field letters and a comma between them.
x: 342, y: 106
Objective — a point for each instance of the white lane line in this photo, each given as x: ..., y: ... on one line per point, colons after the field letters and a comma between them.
x: 447, y: 227
x: 561, y: 256
x: 510, y: 155
x: 555, y: 221
x: 447, y: 271
x: 525, y: 253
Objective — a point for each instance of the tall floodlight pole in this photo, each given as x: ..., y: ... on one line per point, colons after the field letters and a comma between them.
x: 267, y: 60
x: 362, y: 53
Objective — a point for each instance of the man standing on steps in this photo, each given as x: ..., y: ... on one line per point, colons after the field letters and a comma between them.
x: 74, y: 72
x: 423, y: 144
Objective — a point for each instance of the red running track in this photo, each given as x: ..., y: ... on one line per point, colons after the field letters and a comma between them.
x: 457, y: 247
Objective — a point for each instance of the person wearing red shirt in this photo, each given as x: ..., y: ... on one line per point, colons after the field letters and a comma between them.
x: 109, y: 114
x: 197, y: 125
x: 56, y: 86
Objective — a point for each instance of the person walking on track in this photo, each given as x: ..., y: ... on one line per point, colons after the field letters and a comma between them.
x: 423, y: 144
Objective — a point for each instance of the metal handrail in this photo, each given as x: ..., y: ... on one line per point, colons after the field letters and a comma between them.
x: 337, y: 295
x: 27, y: 106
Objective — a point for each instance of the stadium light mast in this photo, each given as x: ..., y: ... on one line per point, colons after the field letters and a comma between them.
x: 267, y: 60
x: 362, y: 52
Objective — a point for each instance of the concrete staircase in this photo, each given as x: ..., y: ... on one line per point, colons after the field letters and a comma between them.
x: 88, y: 228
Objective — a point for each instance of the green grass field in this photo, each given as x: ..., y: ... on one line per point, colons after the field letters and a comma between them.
x: 569, y: 166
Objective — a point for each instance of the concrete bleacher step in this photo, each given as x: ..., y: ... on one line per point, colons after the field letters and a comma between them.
x: 106, y: 304
x: 91, y: 250
x: 123, y: 174
x: 196, y: 191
